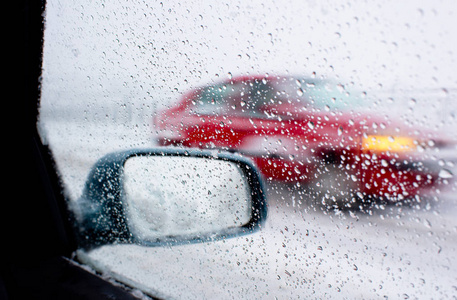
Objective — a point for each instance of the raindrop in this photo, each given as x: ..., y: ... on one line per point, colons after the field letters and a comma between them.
x: 445, y: 173
x: 427, y: 224
x: 300, y: 92
x: 340, y: 130
x: 311, y: 124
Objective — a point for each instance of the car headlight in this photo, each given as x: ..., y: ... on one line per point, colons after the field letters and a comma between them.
x: 388, y: 143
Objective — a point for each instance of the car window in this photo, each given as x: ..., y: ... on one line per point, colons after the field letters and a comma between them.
x: 221, y: 99
x: 244, y: 98
x: 252, y: 98
x: 320, y: 95
x: 348, y: 110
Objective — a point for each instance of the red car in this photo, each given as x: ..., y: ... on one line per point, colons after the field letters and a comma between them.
x: 307, y: 131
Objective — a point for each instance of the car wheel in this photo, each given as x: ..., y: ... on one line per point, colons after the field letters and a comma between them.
x: 334, y: 186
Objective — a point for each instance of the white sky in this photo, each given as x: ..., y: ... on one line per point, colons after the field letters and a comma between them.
x: 145, y: 47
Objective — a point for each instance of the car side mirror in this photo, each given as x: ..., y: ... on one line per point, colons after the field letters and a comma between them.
x: 170, y: 196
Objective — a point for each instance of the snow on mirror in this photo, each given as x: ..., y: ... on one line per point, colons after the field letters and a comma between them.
x: 175, y: 196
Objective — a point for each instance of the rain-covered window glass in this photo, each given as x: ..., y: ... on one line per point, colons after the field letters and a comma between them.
x: 319, y: 95
x: 243, y: 99
x: 221, y: 99
x: 347, y: 109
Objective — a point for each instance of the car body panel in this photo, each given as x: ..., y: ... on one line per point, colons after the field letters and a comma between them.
x: 289, y: 138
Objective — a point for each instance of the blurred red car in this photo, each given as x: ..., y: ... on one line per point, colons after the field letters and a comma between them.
x: 305, y: 131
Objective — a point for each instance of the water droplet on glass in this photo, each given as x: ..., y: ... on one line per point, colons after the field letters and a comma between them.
x: 340, y: 130
x: 445, y: 173
x: 427, y: 224
x: 300, y: 92
x: 311, y: 124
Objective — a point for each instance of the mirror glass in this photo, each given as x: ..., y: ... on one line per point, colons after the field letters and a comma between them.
x: 166, y: 196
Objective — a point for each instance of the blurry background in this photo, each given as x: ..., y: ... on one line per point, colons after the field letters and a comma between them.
x: 100, y: 54
x: 175, y: 46
x: 109, y: 66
